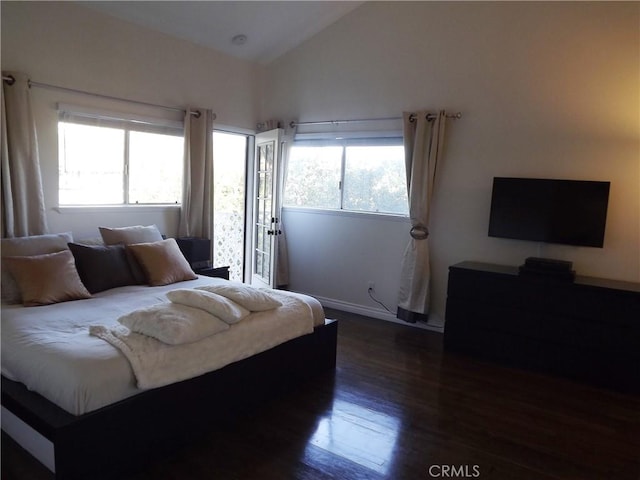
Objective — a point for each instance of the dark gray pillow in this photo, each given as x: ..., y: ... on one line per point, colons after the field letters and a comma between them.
x: 102, y: 267
x: 136, y: 269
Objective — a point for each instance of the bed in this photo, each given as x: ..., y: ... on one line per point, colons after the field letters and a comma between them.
x: 78, y: 404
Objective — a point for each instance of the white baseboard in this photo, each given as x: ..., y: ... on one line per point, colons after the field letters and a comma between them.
x: 435, y: 322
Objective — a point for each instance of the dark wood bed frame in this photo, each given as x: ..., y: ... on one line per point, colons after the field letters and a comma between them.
x: 131, y: 433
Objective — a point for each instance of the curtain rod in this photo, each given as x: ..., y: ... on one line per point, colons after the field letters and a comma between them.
x: 11, y: 80
x: 430, y: 116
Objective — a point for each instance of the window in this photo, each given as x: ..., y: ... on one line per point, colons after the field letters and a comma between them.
x: 90, y: 165
x: 118, y: 162
x: 156, y: 163
x: 375, y: 179
x: 363, y: 175
x: 313, y: 177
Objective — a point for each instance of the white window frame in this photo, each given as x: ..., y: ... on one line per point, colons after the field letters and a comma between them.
x: 128, y: 122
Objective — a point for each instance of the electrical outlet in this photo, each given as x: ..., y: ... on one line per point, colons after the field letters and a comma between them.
x: 371, y: 285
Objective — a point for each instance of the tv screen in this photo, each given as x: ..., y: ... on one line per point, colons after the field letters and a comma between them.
x: 571, y: 212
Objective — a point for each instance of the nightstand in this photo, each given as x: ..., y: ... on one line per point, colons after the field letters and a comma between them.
x: 220, y: 272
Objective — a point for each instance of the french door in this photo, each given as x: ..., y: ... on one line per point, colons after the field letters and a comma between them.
x: 266, y: 208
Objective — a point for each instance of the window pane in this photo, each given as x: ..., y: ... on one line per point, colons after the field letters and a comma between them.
x: 313, y: 177
x: 91, y: 165
x: 375, y: 179
x: 229, y: 162
x: 155, y: 168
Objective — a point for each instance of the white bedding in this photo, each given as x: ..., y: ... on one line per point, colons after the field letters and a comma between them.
x: 49, y: 348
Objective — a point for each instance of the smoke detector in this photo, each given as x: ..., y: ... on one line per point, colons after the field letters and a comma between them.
x: 239, y: 39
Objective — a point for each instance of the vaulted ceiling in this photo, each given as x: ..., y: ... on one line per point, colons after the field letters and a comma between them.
x: 270, y: 28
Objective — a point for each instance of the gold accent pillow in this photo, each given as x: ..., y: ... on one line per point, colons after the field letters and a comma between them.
x: 47, y: 279
x: 162, y: 262
x: 27, y: 246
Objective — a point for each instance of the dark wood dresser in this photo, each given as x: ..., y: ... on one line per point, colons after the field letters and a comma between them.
x: 588, y: 330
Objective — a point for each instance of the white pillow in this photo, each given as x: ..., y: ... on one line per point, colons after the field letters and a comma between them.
x: 128, y: 235
x: 26, y: 247
x: 226, y: 310
x: 250, y: 298
x: 173, y: 324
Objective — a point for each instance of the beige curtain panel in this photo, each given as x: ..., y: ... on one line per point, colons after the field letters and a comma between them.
x: 196, y: 215
x: 23, y: 211
x: 282, y: 267
x: 423, y: 145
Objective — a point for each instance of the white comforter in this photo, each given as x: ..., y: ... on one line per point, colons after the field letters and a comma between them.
x: 156, y: 364
x: 49, y: 348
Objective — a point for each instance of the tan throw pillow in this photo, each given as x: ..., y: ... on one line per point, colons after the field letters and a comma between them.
x: 162, y: 262
x: 129, y: 235
x: 46, y: 279
x: 28, y: 246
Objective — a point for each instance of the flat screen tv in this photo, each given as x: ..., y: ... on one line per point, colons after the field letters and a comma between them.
x: 572, y: 212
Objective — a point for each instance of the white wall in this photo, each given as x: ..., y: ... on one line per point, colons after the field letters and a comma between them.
x: 546, y: 90
x: 336, y: 255
x: 64, y: 44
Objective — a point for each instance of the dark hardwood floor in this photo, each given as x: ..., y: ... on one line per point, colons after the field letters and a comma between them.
x: 399, y: 408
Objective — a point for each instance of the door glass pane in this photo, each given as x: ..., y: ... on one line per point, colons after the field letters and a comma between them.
x: 269, y: 156
x: 267, y: 185
x: 261, y: 184
x: 266, y: 240
x: 261, y: 159
x: 229, y: 165
x: 266, y: 263
x: 260, y: 239
x: 258, y: 266
x: 263, y: 211
x: 267, y: 212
